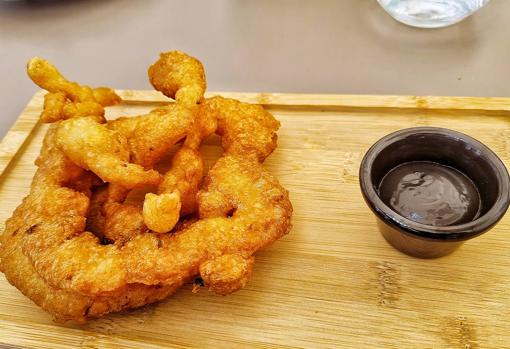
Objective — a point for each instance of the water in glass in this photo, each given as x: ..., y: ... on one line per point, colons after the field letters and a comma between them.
x: 431, y: 13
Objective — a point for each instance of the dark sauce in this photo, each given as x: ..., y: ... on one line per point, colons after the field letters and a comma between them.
x: 430, y: 193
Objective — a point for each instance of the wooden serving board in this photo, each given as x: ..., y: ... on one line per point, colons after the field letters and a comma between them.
x: 333, y: 281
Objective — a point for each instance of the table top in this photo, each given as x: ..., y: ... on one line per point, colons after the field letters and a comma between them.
x: 328, y: 46
x: 332, y: 282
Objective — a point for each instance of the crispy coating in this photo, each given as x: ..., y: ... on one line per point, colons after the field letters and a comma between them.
x: 112, y: 221
x: 57, y: 107
x: 80, y: 248
x: 48, y: 77
x: 75, y: 263
x: 227, y: 273
x: 161, y: 212
x: 53, y: 109
x: 94, y: 147
x: 152, y: 135
x: 105, y: 96
x: 179, y: 76
x: 247, y: 130
x: 67, y: 305
x: 176, y: 195
x: 122, y: 222
x: 67, y: 99
x: 184, y: 178
x: 96, y: 217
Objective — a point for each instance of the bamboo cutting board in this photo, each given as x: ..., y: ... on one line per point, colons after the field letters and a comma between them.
x: 333, y: 281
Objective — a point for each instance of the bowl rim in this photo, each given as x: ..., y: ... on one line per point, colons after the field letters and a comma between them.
x: 452, y: 232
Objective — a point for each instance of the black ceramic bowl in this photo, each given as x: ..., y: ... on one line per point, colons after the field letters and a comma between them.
x: 445, y: 147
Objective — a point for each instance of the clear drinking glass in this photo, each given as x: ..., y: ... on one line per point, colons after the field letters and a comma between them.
x: 431, y: 13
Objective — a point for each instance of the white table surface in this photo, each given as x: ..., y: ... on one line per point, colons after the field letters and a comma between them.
x: 314, y: 46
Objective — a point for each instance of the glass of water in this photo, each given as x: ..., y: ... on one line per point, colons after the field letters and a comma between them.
x: 431, y: 13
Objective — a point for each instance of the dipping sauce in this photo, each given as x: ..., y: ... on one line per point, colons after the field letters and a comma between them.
x: 430, y: 193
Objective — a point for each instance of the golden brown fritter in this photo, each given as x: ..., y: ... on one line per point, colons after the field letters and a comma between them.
x: 227, y: 273
x: 151, y: 136
x: 80, y: 249
x: 179, y: 76
x: 68, y: 99
x: 123, y: 222
x: 94, y: 147
x: 74, y: 261
x: 247, y: 130
x: 82, y: 137
x: 176, y: 195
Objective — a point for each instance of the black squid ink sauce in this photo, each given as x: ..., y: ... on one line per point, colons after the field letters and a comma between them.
x: 430, y: 193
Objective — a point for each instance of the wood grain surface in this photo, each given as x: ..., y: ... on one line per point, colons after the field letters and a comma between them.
x: 333, y: 282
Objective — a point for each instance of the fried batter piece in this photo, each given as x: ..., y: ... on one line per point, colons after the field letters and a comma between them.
x: 179, y: 76
x: 68, y: 99
x: 87, y: 142
x: 152, y: 135
x: 149, y: 138
x: 94, y: 147
x: 247, y: 130
x: 79, y: 250
x: 93, y: 279
x: 176, y: 195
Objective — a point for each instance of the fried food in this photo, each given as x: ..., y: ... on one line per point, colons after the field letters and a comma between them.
x: 81, y: 247
x: 227, y: 273
x: 176, y: 195
x: 179, y: 76
x: 105, y: 152
x: 247, y: 131
x: 150, y: 136
x: 68, y: 99
x: 82, y: 136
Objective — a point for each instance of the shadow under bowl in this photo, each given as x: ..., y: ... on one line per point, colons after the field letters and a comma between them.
x: 444, y: 147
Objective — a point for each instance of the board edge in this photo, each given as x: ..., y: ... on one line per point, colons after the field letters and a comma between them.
x: 20, y: 130
x: 28, y: 119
